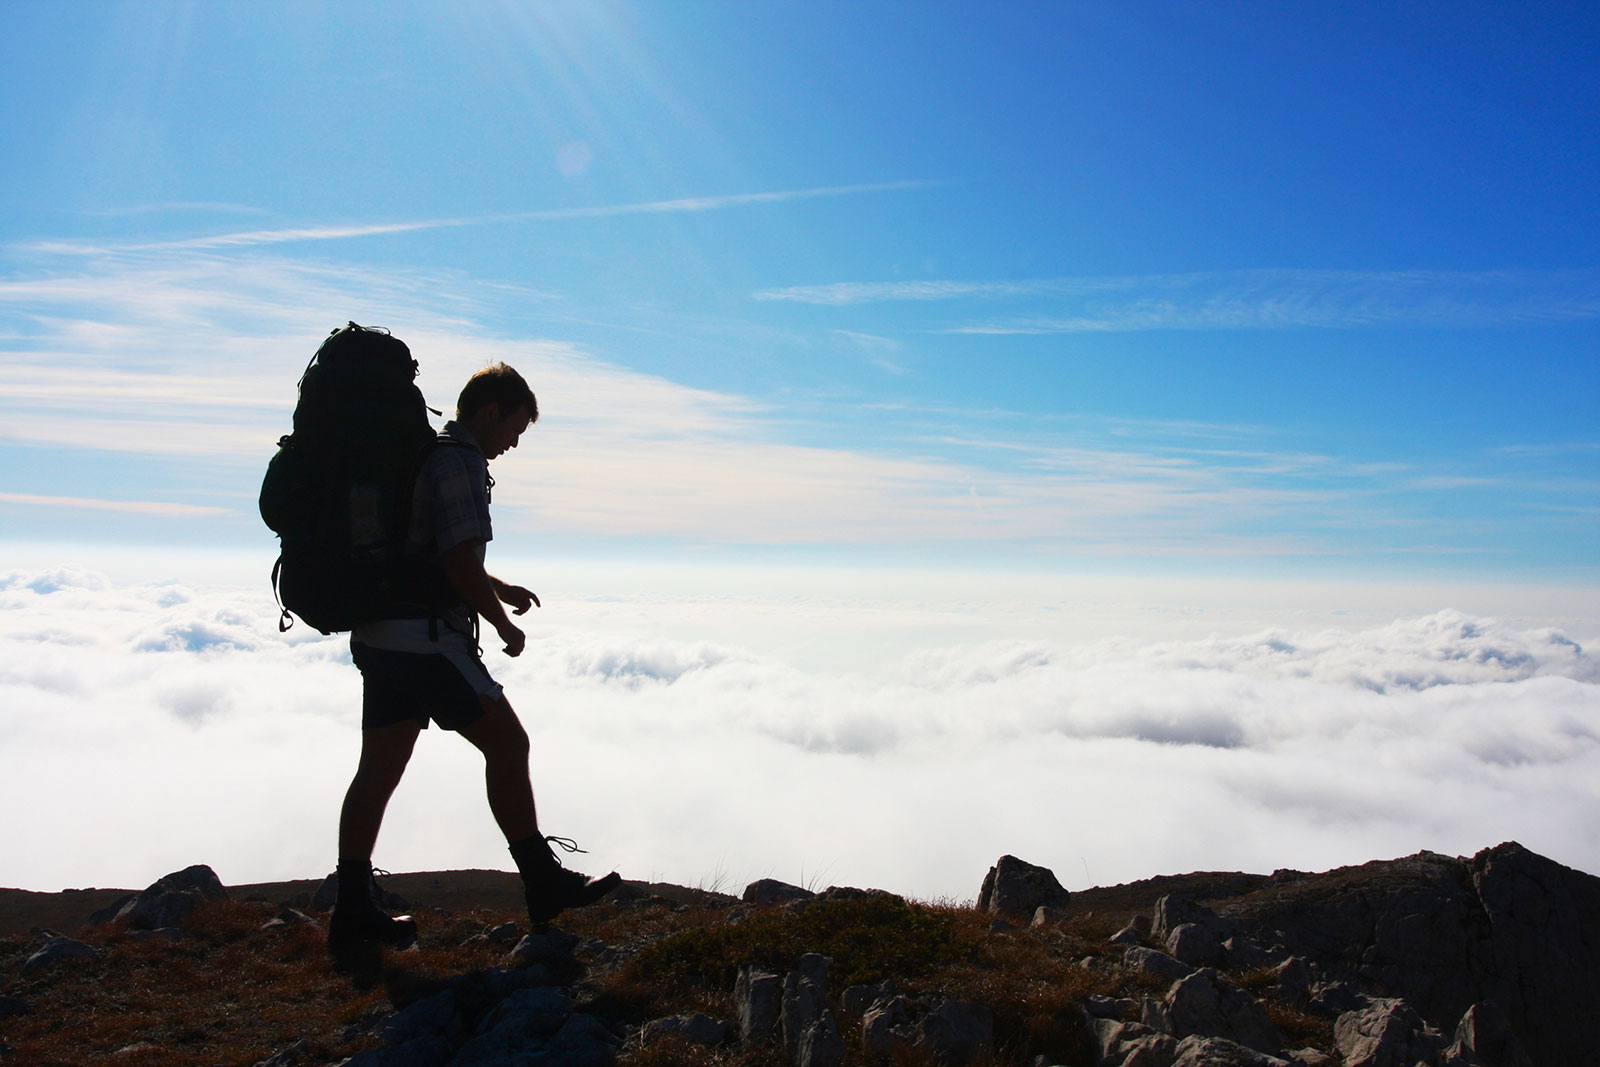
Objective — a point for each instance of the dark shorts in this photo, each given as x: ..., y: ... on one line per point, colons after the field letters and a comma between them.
x: 396, y: 686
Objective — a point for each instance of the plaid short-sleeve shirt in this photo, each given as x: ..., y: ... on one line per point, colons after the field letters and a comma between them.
x: 450, y: 504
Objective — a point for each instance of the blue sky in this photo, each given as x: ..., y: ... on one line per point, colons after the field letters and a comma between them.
x: 1249, y: 288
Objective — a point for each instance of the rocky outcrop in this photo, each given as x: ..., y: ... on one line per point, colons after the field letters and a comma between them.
x: 167, y: 901
x: 1014, y: 889
x: 1445, y: 934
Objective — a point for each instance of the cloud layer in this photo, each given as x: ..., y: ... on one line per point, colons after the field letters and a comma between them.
x: 147, y: 727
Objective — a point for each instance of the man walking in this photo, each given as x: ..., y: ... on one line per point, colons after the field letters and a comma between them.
x: 426, y: 665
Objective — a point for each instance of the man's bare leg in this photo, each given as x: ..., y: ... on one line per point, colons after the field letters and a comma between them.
x: 499, y: 735
x: 385, y: 751
x: 358, y: 926
x: 550, y: 888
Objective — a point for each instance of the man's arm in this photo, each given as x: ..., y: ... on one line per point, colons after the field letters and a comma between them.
x: 483, y: 593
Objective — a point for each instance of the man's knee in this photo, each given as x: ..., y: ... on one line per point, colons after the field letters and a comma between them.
x: 498, y: 734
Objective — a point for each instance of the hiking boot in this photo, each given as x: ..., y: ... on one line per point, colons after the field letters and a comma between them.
x: 357, y: 921
x: 548, y: 887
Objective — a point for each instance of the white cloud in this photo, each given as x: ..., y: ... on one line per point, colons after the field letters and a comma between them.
x: 151, y: 726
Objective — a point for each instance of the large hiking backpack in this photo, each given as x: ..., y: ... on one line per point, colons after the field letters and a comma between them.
x: 338, y: 491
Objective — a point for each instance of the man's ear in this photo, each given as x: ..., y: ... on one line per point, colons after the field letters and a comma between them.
x: 491, y: 411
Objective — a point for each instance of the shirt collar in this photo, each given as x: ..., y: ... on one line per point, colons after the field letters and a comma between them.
x: 462, y: 434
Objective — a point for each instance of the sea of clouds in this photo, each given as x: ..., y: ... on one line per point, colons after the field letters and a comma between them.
x: 714, y: 740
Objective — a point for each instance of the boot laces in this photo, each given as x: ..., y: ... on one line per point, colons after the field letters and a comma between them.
x: 566, y: 843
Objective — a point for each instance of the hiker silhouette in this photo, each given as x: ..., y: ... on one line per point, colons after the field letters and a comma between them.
x: 396, y: 555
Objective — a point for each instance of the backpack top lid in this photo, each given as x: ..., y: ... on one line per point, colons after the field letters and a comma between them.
x: 357, y: 375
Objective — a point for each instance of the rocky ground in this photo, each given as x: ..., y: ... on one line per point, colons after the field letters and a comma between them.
x: 1445, y: 961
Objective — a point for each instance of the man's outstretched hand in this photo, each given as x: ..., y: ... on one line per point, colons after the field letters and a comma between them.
x: 519, y: 598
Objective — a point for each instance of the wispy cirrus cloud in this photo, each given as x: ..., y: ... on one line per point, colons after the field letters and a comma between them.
x: 681, y: 205
x: 1239, y: 299
x: 162, y: 508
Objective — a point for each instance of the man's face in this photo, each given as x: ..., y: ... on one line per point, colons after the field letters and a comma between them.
x: 501, y: 434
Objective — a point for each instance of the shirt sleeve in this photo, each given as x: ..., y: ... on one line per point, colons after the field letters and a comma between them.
x: 457, y: 498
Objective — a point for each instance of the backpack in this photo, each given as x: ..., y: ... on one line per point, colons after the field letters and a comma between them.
x: 338, y: 491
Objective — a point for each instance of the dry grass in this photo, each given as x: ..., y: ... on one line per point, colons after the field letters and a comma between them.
x: 231, y: 993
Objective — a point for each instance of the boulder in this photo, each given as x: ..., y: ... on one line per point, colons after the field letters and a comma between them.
x: 1180, y: 909
x: 1388, y: 1032
x: 956, y: 1033
x: 697, y: 1029
x: 859, y: 999
x: 1197, y: 944
x: 820, y: 1045
x: 803, y: 1006
x: 1445, y: 933
x: 886, y: 1028
x: 1143, y: 960
x: 1208, y: 1005
x: 772, y: 891
x: 56, y: 949
x: 432, y: 1016
x: 112, y: 910
x: 1197, y: 1051
x: 758, y: 996
x: 1483, y: 1038
x: 1126, y: 1044
x: 1015, y: 889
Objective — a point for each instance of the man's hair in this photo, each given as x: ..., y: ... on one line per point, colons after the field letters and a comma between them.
x: 496, y: 384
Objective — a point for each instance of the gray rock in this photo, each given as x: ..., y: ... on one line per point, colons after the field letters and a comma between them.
x: 1208, y: 1005
x: 1180, y: 909
x: 1388, y: 1032
x: 112, y: 910
x: 433, y: 1016
x: 521, y: 1023
x: 697, y: 1028
x: 552, y: 948
x: 55, y: 950
x: 160, y: 933
x: 1109, y: 1007
x: 1128, y: 1044
x: 813, y: 967
x: 758, y: 996
x: 1310, y: 1057
x: 820, y: 1045
x: 1197, y: 944
x: 1015, y: 889
x: 1154, y: 1014
x: 886, y: 1028
x: 859, y: 999
x: 1128, y: 935
x: 1291, y: 980
x: 157, y: 907
x: 1336, y: 998
x: 1445, y: 933
x: 1483, y: 1038
x: 803, y: 1006
x: 1044, y: 915
x: 421, y: 1052
x: 1143, y: 960
x: 1197, y: 1051
x: 199, y: 878
x: 956, y: 1033
x: 772, y: 891
x: 502, y: 934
